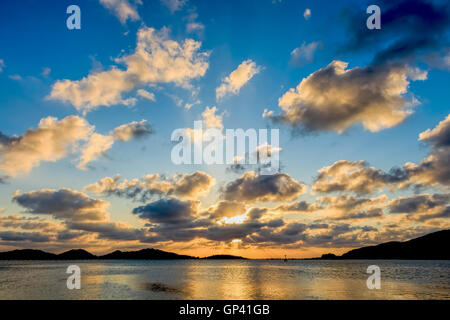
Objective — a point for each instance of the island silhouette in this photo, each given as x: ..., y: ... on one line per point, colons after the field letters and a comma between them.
x: 428, y: 247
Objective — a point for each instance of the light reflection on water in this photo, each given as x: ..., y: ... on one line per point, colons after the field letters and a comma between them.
x: 237, y: 279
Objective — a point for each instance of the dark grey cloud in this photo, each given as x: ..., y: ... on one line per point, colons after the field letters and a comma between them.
x: 422, y: 207
x: 63, y: 204
x: 254, y: 187
x: 109, y: 230
x: 24, y: 236
x: 168, y: 211
x: 417, y: 203
x: 25, y: 223
x: 411, y: 30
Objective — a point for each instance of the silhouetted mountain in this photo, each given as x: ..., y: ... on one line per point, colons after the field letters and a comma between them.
x: 329, y: 256
x: 432, y: 246
x: 27, y: 254
x: 429, y: 247
x: 224, y: 257
x: 79, y: 254
x: 144, y: 254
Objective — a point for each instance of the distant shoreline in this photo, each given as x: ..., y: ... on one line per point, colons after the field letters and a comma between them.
x: 427, y: 247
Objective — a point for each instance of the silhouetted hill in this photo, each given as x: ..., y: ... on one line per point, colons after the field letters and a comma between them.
x: 144, y: 254
x: 79, y: 254
x: 433, y: 246
x: 224, y: 257
x: 27, y: 254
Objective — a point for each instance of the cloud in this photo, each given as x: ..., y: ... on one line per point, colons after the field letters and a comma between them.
x: 156, y: 59
x: 122, y: 9
x: 168, y: 211
x: 24, y: 236
x: 46, y: 72
x: 411, y: 30
x: 28, y: 223
x: 368, y: 214
x: 16, y: 77
x: 439, y: 136
x: 434, y: 169
x: 79, y: 213
x: 237, y: 79
x: 354, y: 176
x: 174, y: 5
x: 334, y: 98
x: 146, y: 95
x: 193, y: 26
x: 226, y: 209
x: 132, y: 130
x: 348, y: 203
x: 304, y: 54
x: 63, y: 204
x: 109, y: 230
x: 352, y: 208
x: 307, y: 14
x: 299, y: 206
x: 185, y: 186
x: 2, y: 65
x: 50, y: 142
x: 96, y: 146
x: 211, y: 120
x: 54, y: 139
x: 253, y: 187
x: 358, y: 177
x: 422, y: 207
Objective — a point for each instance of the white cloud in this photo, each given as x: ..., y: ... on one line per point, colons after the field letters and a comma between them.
x: 211, y: 119
x: 186, y: 186
x: 304, y: 54
x: 53, y: 140
x: 174, y: 5
x: 16, y: 77
x: 46, y: 72
x: 157, y: 59
x: 122, y: 9
x: 146, y: 95
x: 307, y: 14
x: 335, y: 98
x: 49, y: 142
x: 194, y: 27
x: 2, y: 65
x: 132, y: 130
x: 97, y: 145
x: 237, y: 79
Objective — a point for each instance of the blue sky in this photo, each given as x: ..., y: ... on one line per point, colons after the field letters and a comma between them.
x: 38, y: 51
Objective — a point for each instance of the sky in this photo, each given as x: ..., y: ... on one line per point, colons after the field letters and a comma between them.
x: 87, y: 117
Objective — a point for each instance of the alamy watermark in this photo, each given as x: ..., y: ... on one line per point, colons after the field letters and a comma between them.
x: 374, y: 281
x: 74, y: 280
x: 209, y: 146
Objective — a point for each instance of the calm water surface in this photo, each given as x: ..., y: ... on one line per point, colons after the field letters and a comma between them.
x: 255, y: 279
